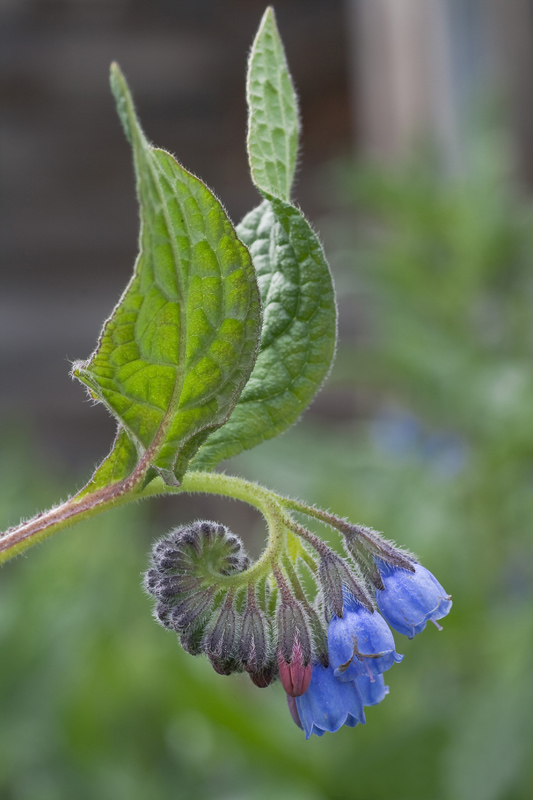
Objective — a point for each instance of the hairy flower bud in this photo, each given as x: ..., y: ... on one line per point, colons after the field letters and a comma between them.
x: 192, y: 607
x: 319, y: 635
x: 333, y: 574
x: 366, y: 544
x: 203, y: 548
x: 330, y: 579
x: 292, y: 629
x: 220, y: 638
x: 170, y: 586
x: 255, y: 646
x: 263, y: 678
x: 162, y: 613
x: 191, y: 638
x: 224, y: 666
x: 295, y: 675
x: 294, y: 643
x: 182, y: 578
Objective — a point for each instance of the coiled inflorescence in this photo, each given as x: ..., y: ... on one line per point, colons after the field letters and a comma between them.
x: 230, y: 626
x: 329, y: 653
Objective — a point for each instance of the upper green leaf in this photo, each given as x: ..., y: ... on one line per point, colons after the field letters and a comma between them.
x: 177, y: 350
x: 299, y: 311
x: 299, y: 331
x: 273, y: 124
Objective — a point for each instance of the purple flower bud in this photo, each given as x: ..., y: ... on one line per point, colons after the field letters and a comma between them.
x: 192, y: 638
x: 162, y: 614
x: 183, y: 579
x: 360, y: 643
x: 294, y: 642
x: 318, y: 632
x: 293, y: 629
x: 220, y: 639
x: 262, y: 678
x: 295, y: 675
x: 192, y: 607
x: 329, y: 578
x: 170, y: 586
x: 365, y: 543
x: 224, y: 666
x: 411, y: 599
x: 328, y: 704
x: 333, y: 574
x: 255, y: 643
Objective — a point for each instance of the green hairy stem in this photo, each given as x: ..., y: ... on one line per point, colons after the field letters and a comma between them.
x: 84, y: 506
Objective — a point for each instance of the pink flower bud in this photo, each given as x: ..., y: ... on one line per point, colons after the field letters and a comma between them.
x: 296, y: 675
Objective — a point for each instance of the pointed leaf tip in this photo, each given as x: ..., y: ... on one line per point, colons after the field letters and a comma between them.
x: 273, y: 123
x: 123, y: 100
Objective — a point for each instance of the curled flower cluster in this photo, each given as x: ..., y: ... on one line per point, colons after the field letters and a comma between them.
x: 330, y: 654
x: 187, y: 577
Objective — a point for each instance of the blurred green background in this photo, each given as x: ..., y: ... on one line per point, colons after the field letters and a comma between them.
x: 424, y: 429
x: 96, y: 701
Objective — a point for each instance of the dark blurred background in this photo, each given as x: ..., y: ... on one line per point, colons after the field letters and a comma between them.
x: 70, y: 216
x: 416, y: 168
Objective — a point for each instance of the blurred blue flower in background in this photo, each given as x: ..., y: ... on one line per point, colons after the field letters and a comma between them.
x: 402, y: 435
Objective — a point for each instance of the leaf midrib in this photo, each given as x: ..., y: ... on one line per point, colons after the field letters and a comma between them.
x: 279, y: 58
x: 179, y: 373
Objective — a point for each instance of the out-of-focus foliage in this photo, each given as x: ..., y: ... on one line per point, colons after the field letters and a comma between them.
x: 97, y: 701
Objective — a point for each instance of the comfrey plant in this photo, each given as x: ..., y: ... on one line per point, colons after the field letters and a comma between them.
x: 219, y: 342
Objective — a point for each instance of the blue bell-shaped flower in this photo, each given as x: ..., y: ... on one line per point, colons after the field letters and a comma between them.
x: 410, y: 599
x: 360, y: 642
x: 328, y: 704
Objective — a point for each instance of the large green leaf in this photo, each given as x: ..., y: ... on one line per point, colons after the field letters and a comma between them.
x: 273, y: 115
x: 299, y: 312
x: 298, y: 339
x: 177, y: 350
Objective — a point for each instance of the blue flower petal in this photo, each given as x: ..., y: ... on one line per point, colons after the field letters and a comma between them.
x: 328, y: 703
x: 346, y: 675
x: 372, y: 692
x: 351, y: 721
x: 369, y: 634
x: 410, y: 599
